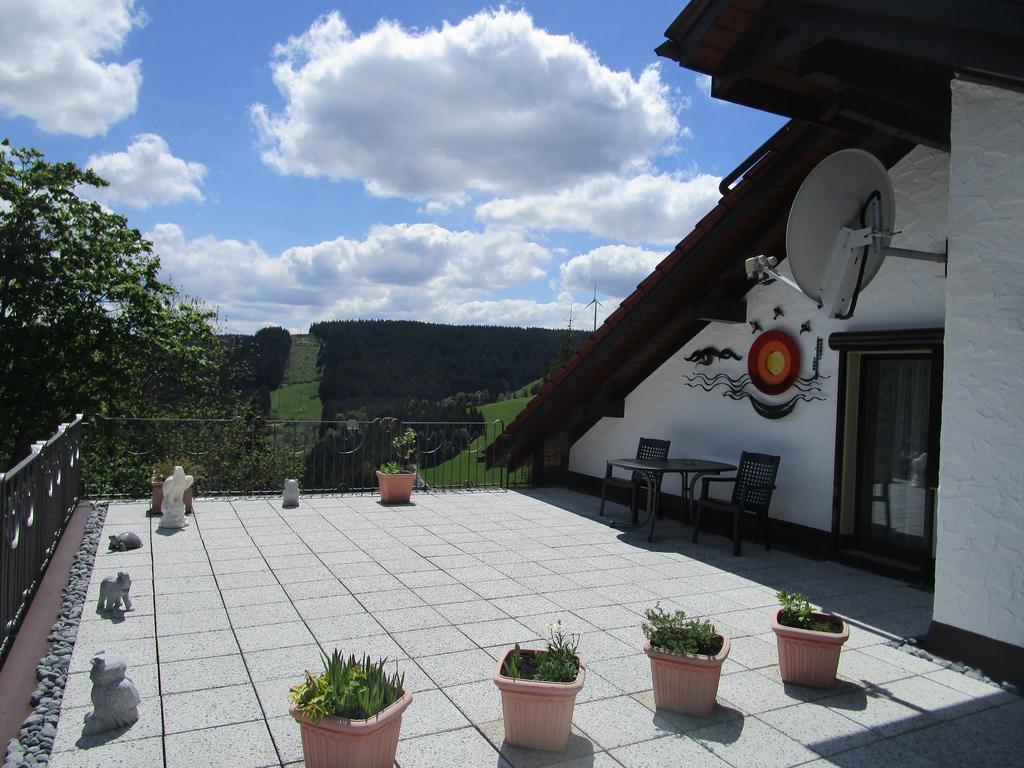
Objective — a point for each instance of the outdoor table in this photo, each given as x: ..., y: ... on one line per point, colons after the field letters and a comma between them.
x: 661, y: 467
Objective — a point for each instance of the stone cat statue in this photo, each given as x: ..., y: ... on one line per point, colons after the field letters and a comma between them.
x: 122, y: 542
x: 114, y: 592
x: 173, y: 506
x: 115, y: 699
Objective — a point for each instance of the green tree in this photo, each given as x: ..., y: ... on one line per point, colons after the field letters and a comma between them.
x: 85, y: 323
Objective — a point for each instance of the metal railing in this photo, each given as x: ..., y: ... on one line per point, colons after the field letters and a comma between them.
x: 37, y: 498
x: 253, y: 456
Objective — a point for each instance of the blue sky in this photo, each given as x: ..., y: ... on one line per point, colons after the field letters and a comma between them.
x: 442, y: 161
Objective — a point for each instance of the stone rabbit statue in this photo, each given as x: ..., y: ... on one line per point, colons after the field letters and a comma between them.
x: 114, y: 593
x: 115, y: 699
x: 173, y: 506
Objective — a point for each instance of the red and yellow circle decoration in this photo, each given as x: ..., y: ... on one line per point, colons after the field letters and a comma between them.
x: 773, y: 362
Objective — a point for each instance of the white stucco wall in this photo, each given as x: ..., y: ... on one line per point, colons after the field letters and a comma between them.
x: 979, y: 580
x: 904, y: 294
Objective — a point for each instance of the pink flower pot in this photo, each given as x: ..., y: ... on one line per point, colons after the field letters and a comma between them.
x: 158, y: 498
x: 397, y: 488
x: 687, y: 684
x: 537, y: 715
x: 807, y: 657
x: 336, y: 742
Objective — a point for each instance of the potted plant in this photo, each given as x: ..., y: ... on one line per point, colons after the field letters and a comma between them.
x: 686, y: 660
x: 396, y: 478
x: 161, y: 472
x: 538, y: 691
x: 809, y: 642
x: 350, y: 715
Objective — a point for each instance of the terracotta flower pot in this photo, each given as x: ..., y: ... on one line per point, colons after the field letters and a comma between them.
x: 396, y: 488
x: 807, y: 657
x: 537, y: 715
x: 687, y: 684
x: 158, y: 498
x: 336, y: 742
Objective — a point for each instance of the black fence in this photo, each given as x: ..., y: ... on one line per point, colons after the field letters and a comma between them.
x: 37, y: 498
x: 123, y: 456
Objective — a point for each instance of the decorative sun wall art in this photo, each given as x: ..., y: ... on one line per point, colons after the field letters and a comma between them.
x: 773, y: 368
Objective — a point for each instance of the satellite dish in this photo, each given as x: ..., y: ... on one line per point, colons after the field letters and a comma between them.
x: 833, y: 200
x: 838, y: 233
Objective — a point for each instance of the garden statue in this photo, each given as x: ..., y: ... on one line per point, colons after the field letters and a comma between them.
x: 114, y: 593
x: 290, y: 498
x: 122, y: 542
x: 173, y: 505
x: 115, y: 699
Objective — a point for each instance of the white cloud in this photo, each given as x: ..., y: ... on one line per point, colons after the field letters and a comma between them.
x: 414, y: 271
x: 703, y: 83
x: 644, y: 209
x: 51, y: 67
x: 146, y: 174
x: 491, y: 104
x: 615, y: 269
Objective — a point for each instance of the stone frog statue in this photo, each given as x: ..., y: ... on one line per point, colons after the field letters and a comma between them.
x: 173, y: 506
x: 122, y: 542
x: 114, y: 593
x: 115, y: 699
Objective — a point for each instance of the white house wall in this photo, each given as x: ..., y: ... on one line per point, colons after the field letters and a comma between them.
x: 979, y: 580
x: 904, y: 294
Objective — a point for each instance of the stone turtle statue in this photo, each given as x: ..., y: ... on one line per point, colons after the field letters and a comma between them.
x: 115, y: 699
x: 122, y: 542
x: 114, y: 593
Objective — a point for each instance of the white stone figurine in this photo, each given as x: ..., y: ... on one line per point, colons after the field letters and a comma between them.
x: 290, y: 497
x: 114, y: 593
x: 115, y: 699
x: 173, y: 506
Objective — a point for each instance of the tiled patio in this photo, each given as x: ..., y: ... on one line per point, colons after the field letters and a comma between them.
x: 229, y: 612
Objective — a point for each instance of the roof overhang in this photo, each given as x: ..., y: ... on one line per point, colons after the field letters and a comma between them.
x: 856, y: 65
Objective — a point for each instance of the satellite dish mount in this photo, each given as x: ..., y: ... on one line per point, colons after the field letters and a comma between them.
x: 838, y: 233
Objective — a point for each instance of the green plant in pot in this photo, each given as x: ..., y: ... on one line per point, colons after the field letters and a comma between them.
x: 350, y: 714
x: 538, y: 691
x: 809, y: 642
x: 164, y: 469
x: 397, y: 477
x: 686, y: 657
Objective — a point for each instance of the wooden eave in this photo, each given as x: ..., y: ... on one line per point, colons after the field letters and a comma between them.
x: 878, y: 65
x: 665, y: 310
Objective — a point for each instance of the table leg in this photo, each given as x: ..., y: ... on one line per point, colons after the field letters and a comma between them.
x: 604, y: 486
x: 693, y: 487
x: 650, y: 505
x: 684, y: 498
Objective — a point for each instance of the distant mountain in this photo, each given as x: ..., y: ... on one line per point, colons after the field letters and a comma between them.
x: 415, y: 370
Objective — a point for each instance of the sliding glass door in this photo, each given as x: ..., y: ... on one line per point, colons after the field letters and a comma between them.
x: 897, y: 456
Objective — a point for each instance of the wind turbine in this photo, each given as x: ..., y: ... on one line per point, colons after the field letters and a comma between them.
x: 596, y: 304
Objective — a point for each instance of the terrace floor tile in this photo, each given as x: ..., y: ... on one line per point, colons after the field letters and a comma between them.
x: 249, y: 597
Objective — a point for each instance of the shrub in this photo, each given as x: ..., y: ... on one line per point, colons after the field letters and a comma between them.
x: 352, y: 689
x: 797, y: 612
x: 557, y: 664
x: 675, y: 633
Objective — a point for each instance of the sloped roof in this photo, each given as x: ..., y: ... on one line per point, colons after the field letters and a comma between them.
x: 665, y: 310
x: 884, y: 65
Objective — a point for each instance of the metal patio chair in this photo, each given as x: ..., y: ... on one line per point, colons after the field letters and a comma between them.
x: 649, y: 448
x: 752, y: 492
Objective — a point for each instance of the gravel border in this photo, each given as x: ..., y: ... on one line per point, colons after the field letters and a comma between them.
x: 909, y: 645
x: 31, y: 747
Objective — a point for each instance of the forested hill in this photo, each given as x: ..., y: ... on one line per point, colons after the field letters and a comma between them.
x: 377, y: 366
